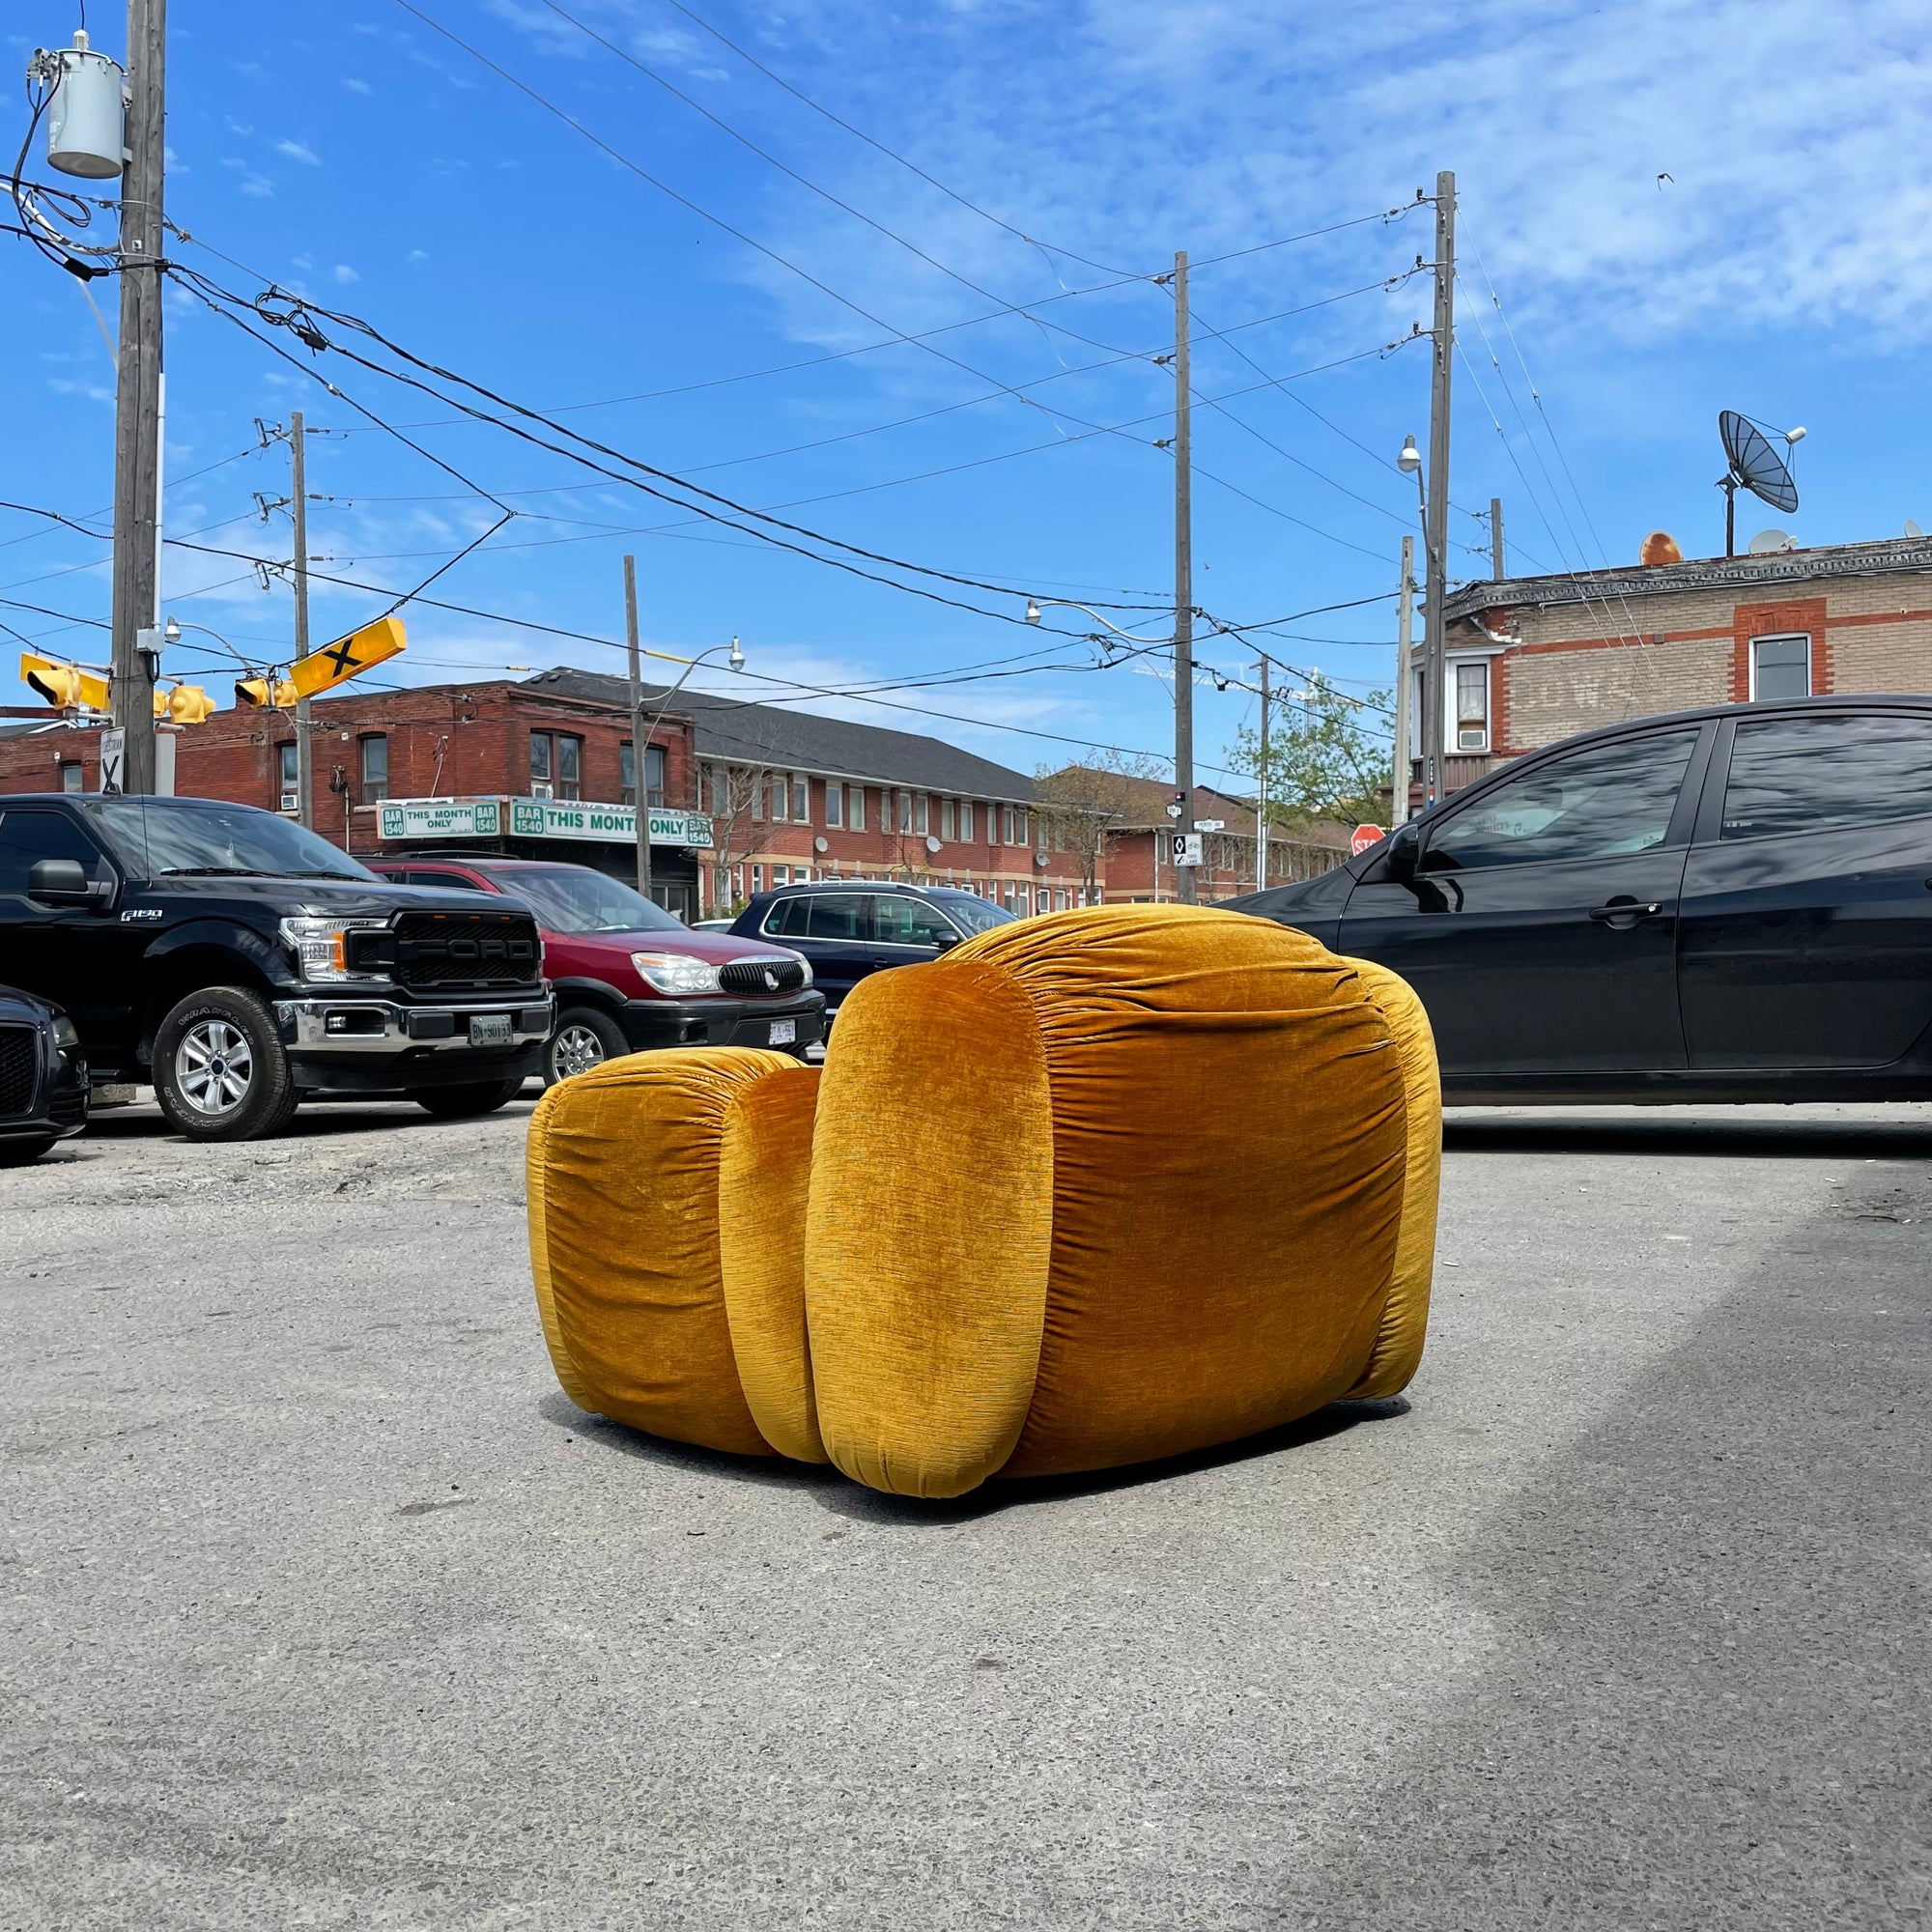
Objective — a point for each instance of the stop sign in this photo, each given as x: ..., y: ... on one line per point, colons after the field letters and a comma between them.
x: 1366, y: 836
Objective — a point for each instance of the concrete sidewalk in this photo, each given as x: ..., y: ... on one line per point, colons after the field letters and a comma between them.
x: 324, y: 1608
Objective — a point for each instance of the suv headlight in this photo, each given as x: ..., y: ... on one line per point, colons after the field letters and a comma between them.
x: 65, y: 1034
x: 675, y: 972
x: 320, y: 946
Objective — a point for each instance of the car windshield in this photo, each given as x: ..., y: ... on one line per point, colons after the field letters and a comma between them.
x: 975, y: 915
x: 208, y: 837
x: 573, y: 898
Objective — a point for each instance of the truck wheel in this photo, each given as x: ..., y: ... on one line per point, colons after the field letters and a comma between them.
x: 471, y: 1098
x: 584, y: 1038
x: 222, y: 1072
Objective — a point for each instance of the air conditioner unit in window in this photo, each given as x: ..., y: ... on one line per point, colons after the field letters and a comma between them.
x: 1469, y: 741
x: 541, y: 788
x: 291, y: 801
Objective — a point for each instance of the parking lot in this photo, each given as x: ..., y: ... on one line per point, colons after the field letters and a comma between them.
x: 326, y: 1609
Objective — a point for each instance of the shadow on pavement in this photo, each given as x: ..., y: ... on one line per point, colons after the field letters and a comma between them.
x: 1806, y: 1139
x: 837, y: 1492
x: 314, y: 1120
x: 1698, y: 1690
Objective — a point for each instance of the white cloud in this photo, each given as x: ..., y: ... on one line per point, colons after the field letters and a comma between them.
x: 299, y: 150
x: 358, y: 86
x: 417, y: 256
x: 258, y: 187
x: 343, y: 272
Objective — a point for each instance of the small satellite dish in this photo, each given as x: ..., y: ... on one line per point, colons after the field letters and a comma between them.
x: 821, y: 844
x: 1769, y: 543
x: 931, y: 844
x: 1911, y: 528
x: 1754, y: 465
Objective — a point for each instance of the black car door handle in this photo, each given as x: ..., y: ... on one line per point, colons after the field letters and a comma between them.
x: 1621, y: 909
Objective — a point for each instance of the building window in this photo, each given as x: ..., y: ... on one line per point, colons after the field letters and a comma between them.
x: 966, y: 820
x: 71, y: 776
x: 1471, y: 723
x: 721, y: 791
x: 834, y: 803
x: 904, y: 799
x: 569, y: 767
x: 855, y: 808
x: 801, y: 798
x: 780, y: 791
x: 1781, y: 666
x: 922, y: 815
x: 375, y: 769
x: 949, y: 821
x: 992, y: 825
x: 627, y: 774
x: 288, y: 771
x: 780, y: 875
x: 758, y: 878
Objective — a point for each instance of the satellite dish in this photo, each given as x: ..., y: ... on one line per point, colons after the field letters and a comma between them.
x: 821, y: 844
x: 1768, y: 542
x: 1756, y: 465
x: 931, y: 844
x: 1911, y: 528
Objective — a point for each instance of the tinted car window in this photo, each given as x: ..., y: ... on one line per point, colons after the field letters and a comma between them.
x: 28, y: 836
x: 837, y: 916
x: 1817, y: 774
x: 208, y: 836
x: 910, y: 921
x: 573, y: 898
x: 1609, y: 800
x: 973, y: 914
x: 787, y: 916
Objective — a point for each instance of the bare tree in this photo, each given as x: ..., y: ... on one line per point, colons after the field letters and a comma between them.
x: 736, y: 796
x: 1082, y: 803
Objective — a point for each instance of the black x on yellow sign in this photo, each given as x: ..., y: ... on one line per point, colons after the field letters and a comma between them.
x: 321, y: 671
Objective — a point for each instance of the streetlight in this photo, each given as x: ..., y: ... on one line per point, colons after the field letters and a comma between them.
x: 1034, y: 606
x: 641, y: 741
x: 1433, y: 699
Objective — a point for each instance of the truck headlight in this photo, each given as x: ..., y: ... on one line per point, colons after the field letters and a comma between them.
x: 320, y: 946
x: 675, y: 973
x: 65, y: 1034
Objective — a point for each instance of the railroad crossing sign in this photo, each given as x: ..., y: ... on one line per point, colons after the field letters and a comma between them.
x: 348, y: 657
x: 1186, y: 847
x: 113, y: 755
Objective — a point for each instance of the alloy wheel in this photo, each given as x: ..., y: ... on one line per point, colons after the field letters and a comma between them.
x: 214, y: 1067
x: 576, y: 1050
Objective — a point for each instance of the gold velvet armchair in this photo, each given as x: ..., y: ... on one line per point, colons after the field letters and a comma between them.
x: 1087, y: 1190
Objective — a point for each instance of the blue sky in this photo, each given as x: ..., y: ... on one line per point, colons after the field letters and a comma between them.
x: 355, y: 154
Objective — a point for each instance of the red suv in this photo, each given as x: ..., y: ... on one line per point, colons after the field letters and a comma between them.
x: 628, y: 977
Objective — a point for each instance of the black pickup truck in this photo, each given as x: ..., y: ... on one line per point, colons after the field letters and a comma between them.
x: 241, y: 964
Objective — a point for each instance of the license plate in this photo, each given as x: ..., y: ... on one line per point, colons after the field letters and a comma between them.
x: 784, y: 1032
x: 488, y: 1030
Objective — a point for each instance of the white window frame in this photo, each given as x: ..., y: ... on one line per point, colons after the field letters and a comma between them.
x: 949, y: 821
x: 1452, y: 725
x: 966, y: 821
x: 855, y: 808
x: 1785, y: 637
x: 835, y: 806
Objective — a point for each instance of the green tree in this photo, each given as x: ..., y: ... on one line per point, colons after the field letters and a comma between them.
x: 1329, y: 757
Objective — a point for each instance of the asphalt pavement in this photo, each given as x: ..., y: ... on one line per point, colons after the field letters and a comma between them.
x: 323, y: 1607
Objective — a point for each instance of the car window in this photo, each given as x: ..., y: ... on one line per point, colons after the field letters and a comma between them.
x: 209, y: 835
x: 975, y: 914
x: 429, y: 875
x: 909, y: 921
x: 1822, y: 772
x: 28, y: 836
x: 787, y: 916
x: 837, y: 916
x: 1595, y: 803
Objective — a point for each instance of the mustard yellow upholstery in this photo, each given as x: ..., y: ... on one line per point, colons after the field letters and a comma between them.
x: 1107, y: 1186
x: 1087, y: 1190
x: 666, y: 1208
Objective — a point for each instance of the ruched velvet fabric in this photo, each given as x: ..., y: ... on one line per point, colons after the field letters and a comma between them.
x: 1087, y: 1190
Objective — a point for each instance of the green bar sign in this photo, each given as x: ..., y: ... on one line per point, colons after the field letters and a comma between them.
x: 441, y: 818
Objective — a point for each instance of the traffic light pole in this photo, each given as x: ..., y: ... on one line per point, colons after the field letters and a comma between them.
x: 299, y: 510
x: 137, y: 400
x: 640, y: 750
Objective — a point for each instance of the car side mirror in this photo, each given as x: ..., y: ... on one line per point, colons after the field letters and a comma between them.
x: 1396, y: 863
x: 64, y: 882
x: 945, y: 941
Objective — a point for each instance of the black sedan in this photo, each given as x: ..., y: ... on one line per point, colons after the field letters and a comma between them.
x: 1731, y: 904
x: 42, y: 1078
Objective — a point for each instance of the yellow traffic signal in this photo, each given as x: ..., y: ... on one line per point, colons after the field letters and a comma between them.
x: 348, y: 657
x: 279, y: 695
x: 67, y: 684
x: 185, y: 704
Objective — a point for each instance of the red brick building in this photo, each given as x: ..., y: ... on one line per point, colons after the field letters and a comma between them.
x: 1532, y: 660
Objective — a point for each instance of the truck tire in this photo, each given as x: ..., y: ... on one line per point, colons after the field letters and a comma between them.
x: 221, y: 1071
x: 463, y: 1102
x: 584, y: 1038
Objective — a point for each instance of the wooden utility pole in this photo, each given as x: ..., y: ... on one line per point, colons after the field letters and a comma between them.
x: 1262, y: 791
x: 1496, y: 539
x: 1405, y: 644
x: 1436, y: 525
x: 137, y: 400
x: 1183, y: 578
x: 299, y: 511
x: 640, y: 762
